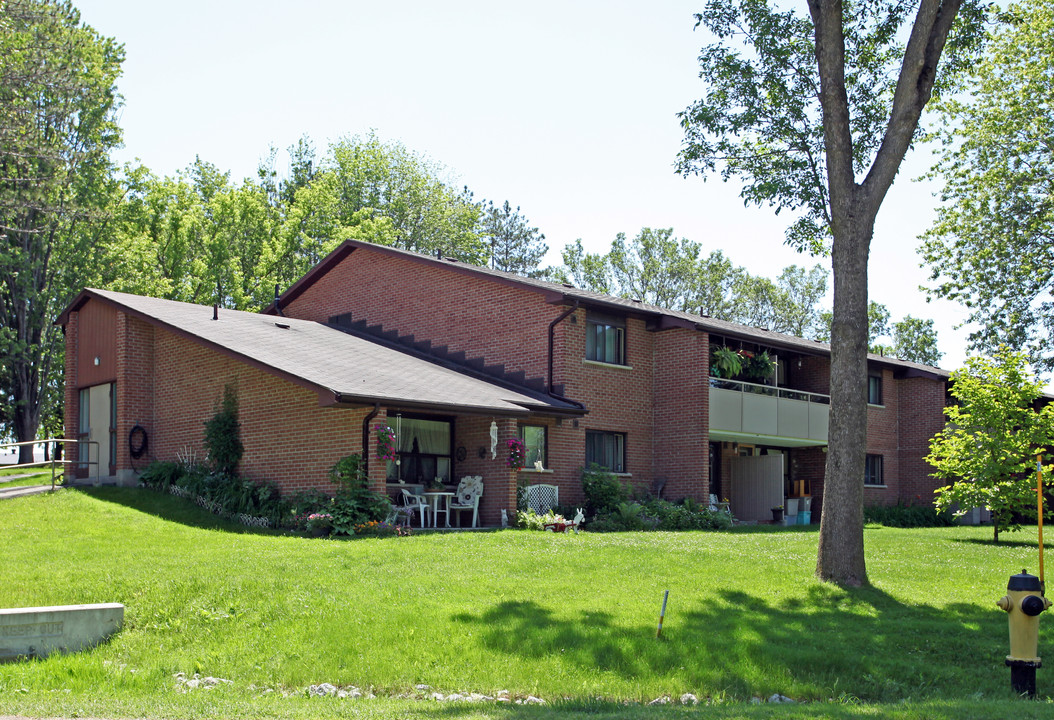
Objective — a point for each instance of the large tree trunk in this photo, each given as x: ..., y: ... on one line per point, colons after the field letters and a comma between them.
x: 841, y: 553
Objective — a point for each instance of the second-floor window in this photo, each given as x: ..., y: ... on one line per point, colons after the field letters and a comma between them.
x: 874, y: 389
x: 873, y: 470
x: 605, y: 339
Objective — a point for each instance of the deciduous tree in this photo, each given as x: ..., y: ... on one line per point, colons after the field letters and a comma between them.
x: 57, y: 105
x: 992, y: 245
x: 987, y: 451
x: 799, y: 108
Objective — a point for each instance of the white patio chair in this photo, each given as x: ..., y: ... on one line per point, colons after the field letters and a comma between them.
x: 542, y: 498
x: 716, y: 506
x: 467, y: 497
x: 416, y: 503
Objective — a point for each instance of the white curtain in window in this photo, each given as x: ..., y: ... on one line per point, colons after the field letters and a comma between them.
x: 433, y: 436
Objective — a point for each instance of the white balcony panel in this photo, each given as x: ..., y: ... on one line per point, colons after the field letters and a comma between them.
x: 759, y: 414
x: 747, y: 412
x: 793, y: 416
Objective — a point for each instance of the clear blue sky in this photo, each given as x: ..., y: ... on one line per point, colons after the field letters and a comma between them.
x: 567, y: 109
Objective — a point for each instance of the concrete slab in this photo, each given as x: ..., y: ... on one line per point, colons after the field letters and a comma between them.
x: 39, y: 631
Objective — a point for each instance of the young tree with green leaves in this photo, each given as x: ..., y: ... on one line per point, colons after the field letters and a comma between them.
x: 58, y: 103
x: 992, y: 245
x: 427, y: 213
x: 987, y: 451
x: 799, y: 108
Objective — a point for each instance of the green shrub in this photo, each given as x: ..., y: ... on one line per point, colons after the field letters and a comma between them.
x: 604, y: 493
x: 354, y: 504
x: 159, y: 475
x: 908, y: 516
x: 221, y: 435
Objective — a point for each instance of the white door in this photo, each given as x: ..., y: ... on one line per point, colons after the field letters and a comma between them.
x: 97, y: 425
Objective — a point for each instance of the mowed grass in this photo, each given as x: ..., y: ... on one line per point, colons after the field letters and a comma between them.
x: 568, y: 618
x: 27, y: 476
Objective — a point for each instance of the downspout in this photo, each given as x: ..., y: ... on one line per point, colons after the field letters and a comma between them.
x: 552, y: 333
x: 366, y: 440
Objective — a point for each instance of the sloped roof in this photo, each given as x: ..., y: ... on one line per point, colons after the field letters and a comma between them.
x: 557, y: 293
x: 342, y: 368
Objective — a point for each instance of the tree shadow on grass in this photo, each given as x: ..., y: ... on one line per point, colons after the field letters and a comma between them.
x: 833, y: 642
x: 171, y: 508
x: 1009, y: 544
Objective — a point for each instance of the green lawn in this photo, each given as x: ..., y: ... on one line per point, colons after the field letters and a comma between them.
x: 33, y: 476
x: 567, y: 618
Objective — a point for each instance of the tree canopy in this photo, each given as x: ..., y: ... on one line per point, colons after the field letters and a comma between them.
x: 992, y: 245
x: 58, y: 102
x: 797, y: 108
x: 987, y: 450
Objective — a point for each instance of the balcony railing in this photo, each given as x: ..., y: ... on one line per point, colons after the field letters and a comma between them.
x: 753, y: 410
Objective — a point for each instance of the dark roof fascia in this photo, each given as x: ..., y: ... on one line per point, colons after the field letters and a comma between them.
x: 76, y: 304
x: 324, y: 394
x: 311, y: 276
x: 905, y: 373
x: 342, y: 400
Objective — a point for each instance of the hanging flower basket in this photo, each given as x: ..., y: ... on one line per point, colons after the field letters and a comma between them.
x: 385, y: 443
x: 517, y: 454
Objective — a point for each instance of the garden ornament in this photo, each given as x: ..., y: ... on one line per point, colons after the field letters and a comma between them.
x: 579, y: 517
x: 493, y: 440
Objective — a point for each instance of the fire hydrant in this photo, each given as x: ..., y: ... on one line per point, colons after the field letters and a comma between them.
x: 1024, y: 602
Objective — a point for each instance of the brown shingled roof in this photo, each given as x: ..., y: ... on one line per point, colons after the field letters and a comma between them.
x: 341, y: 368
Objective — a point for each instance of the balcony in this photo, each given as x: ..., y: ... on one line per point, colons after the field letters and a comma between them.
x: 766, y: 415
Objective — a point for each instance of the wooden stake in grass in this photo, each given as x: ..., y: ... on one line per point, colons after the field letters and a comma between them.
x: 662, y: 613
x: 1039, y: 503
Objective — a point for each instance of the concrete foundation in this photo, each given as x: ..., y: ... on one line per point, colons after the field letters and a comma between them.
x: 39, y: 631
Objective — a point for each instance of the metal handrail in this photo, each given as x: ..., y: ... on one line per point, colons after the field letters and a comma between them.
x: 53, y: 462
x: 772, y: 390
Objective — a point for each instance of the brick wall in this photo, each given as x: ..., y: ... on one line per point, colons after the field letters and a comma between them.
x: 135, y: 390
x: 288, y: 438
x: 681, y: 402
x: 883, y: 438
x: 921, y: 417
x: 477, y: 315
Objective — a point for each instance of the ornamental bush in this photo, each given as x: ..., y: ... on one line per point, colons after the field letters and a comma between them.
x: 604, y: 493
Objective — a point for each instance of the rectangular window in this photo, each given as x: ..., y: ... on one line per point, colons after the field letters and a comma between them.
x: 424, y: 450
x: 605, y: 339
x: 874, y: 389
x: 606, y: 449
x: 533, y: 436
x: 873, y: 470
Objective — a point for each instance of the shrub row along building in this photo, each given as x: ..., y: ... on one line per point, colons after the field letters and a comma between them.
x: 447, y: 353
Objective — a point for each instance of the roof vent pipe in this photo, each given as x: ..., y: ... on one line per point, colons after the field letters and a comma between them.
x: 277, y: 300
x: 215, y: 312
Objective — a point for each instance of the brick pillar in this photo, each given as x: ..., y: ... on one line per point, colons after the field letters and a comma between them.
x: 378, y: 467
x: 499, y: 480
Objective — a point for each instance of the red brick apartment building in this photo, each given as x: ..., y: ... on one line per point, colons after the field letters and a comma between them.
x: 448, y: 353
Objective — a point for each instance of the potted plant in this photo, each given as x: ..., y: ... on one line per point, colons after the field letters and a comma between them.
x: 777, y: 514
x: 725, y: 362
x: 319, y: 524
x: 759, y: 367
